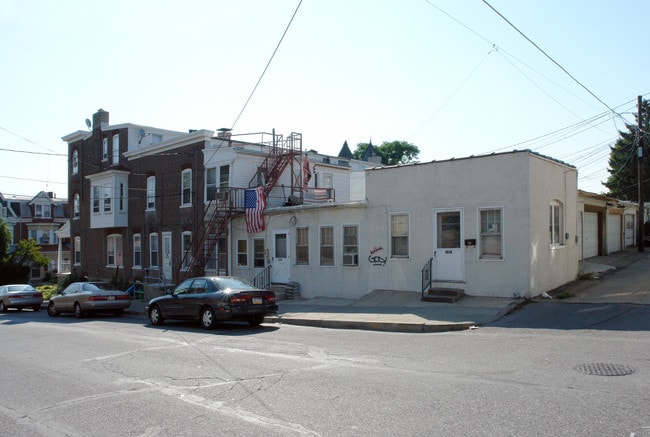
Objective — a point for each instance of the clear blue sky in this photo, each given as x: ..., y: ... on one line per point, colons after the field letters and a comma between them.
x: 451, y: 77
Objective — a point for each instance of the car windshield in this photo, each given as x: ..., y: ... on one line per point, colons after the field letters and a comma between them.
x: 233, y: 283
x: 99, y: 286
x: 20, y: 288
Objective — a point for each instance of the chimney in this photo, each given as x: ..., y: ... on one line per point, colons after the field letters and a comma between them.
x: 51, y: 194
x: 100, y: 119
x: 224, y: 133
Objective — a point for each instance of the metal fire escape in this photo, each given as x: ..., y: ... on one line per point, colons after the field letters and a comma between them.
x: 229, y: 202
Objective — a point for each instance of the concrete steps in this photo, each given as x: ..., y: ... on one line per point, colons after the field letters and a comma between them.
x: 441, y: 294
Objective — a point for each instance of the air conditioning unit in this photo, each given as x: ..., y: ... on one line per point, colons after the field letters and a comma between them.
x: 351, y: 260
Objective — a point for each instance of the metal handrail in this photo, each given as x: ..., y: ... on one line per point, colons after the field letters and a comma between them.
x: 263, y: 278
x: 426, y: 275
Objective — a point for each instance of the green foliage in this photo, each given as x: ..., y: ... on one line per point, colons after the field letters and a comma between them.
x: 28, y: 253
x: 623, y: 162
x: 5, y: 239
x: 48, y: 290
x: 391, y: 153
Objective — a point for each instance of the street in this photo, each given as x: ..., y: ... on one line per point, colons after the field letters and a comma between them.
x: 108, y: 376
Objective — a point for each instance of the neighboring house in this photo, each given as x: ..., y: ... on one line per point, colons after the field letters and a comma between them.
x: 37, y: 218
x: 155, y: 205
x: 497, y: 225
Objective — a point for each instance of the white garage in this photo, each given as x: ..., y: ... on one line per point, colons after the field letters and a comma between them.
x: 613, y: 233
x: 590, y: 235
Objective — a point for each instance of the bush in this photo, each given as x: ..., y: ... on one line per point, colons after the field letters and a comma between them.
x: 48, y: 290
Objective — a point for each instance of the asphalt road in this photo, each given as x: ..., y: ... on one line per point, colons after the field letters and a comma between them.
x: 527, y: 375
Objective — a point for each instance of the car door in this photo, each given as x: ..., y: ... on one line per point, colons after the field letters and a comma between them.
x: 174, y: 306
x: 195, y: 297
x: 66, y: 299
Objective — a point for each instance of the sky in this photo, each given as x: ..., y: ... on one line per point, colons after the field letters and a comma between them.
x: 452, y: 77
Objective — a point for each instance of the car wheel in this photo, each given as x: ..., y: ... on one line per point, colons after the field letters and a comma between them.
x: 118, y: 313
x: 207, y: 318
x: 256, y: 320
x: 3, y: 307
x: 156, y: 316
x: 77, y: 310
x: 36, y: 307
x: 51, y: 311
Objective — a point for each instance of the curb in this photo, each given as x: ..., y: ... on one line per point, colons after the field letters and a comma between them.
x: 370, y: 325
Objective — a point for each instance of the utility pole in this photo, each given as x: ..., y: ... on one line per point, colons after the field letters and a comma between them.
x: 640, y: 173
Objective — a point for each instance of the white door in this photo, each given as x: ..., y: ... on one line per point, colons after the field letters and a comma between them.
x: 281, y: 260
x: 167, y: 256
x: 449, y: 252
x: 629, y: 230
x: 613, y: 233
x: 590, y: 235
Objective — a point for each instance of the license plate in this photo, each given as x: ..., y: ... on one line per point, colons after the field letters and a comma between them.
x: 111, y: 297
x: 257, y: 300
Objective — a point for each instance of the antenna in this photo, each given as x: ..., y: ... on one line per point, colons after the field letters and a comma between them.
x: 88, y: 124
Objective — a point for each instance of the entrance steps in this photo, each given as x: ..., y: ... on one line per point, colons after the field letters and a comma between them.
x: 443, y: 294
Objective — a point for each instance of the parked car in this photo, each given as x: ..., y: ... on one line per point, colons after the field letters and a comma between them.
x: 19, y: 296
x: 213, y: 299
x: 80, y: 298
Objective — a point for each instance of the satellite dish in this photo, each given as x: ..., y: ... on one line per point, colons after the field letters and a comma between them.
x: 88, y: 124
x: 142, y: 134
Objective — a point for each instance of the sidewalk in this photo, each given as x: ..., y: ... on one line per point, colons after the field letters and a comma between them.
x: 403, y: 311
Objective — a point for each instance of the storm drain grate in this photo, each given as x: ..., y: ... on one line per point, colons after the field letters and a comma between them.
x: 604, y: 369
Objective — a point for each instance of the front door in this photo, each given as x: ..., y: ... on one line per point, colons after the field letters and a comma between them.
x: 281, y: 260
x: 449, y: 253
x: 167, y: 256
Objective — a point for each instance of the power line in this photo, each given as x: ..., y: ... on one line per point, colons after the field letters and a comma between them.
x: 549, y: 57
x: 33, y: 153
x: 267, y: 65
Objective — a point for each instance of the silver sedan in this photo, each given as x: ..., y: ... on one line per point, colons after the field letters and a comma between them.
x: 81, y: 298
x: 20, y: 296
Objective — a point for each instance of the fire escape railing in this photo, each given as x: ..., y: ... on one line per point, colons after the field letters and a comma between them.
x: 281, y: 154
x: 426, y: 276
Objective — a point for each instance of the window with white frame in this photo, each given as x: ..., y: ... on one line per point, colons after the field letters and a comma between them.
x: 75, y: 161
x: 327, y: 246
x: 77, y: 251
x: 399, y: 235
x: 350, y: 245
x: 186, y: 244
x: 151, y: 192
x: 107, y: 199
x: 258, y: 252
x: 242, y: 253
x: 302, y: 246
x: 137, y: 251
x: 114, y: 250
x: 76, y: 206
x: 153, y: 250
x: 186, y: 187
x: 556, y: 223
x: 491, y: 232
x: 224, y: 181
x: 210, y: 183
x: 104, y: 149
x: 116, y: 149
x: 96, y: 199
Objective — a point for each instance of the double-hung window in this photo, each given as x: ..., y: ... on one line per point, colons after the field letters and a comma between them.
x: 151, y: 193
x: 186, y: 187
x: 153, y: 250
x: 399, y: 235
x: 77, y: 251
x: 258, y: 252
x: 242, y: 253
x: 210, y: 183
x: 137, y: 251
x: 350, y: 245
x: 114, y: 250
x: 186, y: 244
x: 302, y: 246
x: 556, y: 223
x: 76, y: 205
x: 116, y: 149
x: 327, y: 246
x: 491, y: 232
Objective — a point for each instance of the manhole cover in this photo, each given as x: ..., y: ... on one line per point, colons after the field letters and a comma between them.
x: 604, y: 369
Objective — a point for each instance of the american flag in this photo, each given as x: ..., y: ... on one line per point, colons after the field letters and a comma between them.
x: 255, y: 202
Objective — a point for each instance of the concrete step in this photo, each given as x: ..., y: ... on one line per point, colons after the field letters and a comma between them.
x: 445, y: 295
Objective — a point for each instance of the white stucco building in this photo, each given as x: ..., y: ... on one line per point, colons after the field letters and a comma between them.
x: 495, y: 225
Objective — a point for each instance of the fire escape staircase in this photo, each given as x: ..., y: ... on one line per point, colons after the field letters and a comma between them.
x: 229, y: 202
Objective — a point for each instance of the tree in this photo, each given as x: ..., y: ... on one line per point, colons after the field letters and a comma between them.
x: 14, y: 266
x: 391, y: 153
x: 623, y: 161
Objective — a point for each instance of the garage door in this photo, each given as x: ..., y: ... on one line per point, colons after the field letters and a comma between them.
x: 590, y: 235
x: 613, y: 233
